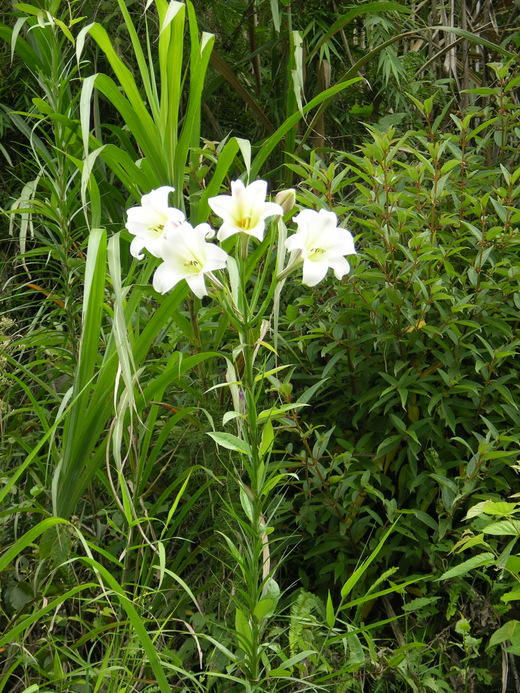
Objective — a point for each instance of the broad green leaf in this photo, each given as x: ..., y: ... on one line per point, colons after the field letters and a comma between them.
x: 476, y: 510
x: 298, y: 73
x: 503, y: 528
x: 509, y: 631
x: 264, y: 608
x: 511, y: 596
x: 309, y: 393
x: 275, y: 14
x: 243, y: 631
x: 267, y: 439
x: 499, y: 508
x: 245, y: 150
x: 279, y: 673
x: 230, y: 442
x: 230, y: 415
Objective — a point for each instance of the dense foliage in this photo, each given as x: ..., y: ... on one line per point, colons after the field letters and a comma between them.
x: 379, y: 552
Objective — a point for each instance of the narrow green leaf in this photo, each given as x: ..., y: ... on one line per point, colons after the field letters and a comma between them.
x: 23, y: 625
x: 246, y: 504
x: 360, y: 9
x: 200, y: 209
x: 184, y: 586
x: 28, y: 538
x: 141, y: 61
x: 298, y: 658
x: 136, y: 622
x: 477, y: 39
x: 66, y: 476
x: 275, y: 13
x: 467, y: 566
x: 356, y: 575
x: 273, y: 141
x: 329, y: 612
x: 267, y: 440
x: 276, y: 412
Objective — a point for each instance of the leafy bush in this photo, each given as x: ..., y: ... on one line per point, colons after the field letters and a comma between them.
x: 418, y: 417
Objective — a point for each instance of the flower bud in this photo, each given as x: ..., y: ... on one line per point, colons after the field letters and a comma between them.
x: 286, y: 199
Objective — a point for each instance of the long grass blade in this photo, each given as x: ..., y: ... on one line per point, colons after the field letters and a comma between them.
x: 93, y: 301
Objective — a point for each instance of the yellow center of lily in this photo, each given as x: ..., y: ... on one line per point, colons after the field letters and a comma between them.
x: 157, y: 229
x: 246, y: 222
x: 193, y: 265
x: 315, y: 253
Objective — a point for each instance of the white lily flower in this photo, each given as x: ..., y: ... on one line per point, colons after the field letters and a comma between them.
x: 321, y: 244
x: 186, y: 255
x: 244, y: 210
x: 147, y: 222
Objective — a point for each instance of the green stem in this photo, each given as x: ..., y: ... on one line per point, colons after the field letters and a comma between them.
x: 255, y: 467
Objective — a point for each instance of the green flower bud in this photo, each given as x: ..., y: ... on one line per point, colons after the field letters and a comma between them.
x: 286, y: 199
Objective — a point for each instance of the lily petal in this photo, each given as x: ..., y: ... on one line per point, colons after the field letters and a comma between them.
x: 313, y: 272
x: 340, y: 265
x: 148, y: 221
x: 165, y: 278
x: 187, y: 255
x: 321, y: 244
x: 197, y: 285
x: 245, y: 210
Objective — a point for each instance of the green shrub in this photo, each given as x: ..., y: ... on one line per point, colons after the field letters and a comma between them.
x: 418, y: 417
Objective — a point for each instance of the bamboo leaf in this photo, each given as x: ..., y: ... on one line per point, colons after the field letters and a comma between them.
x: 475, y: 38
x: 269, y: 144
x: 226, y: 71
x: 347, y: 17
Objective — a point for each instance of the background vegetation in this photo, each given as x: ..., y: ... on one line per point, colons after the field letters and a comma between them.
x: 393, y: 522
